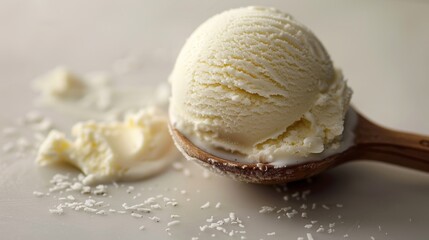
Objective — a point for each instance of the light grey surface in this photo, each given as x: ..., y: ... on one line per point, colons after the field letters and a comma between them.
x: 381, y: 47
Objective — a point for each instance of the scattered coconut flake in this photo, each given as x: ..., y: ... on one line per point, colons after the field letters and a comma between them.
x: 172, y: 223
x: 142, y: 227
x: 58, y: 211
x: 266, y: 209
x: 101, y: 212
x: 136, y: 215
x: 210, y: 219
x: 155, y: 206
x: 155, y: 219
x: 309, y: 236
x: 38, y: 194
x: 325, y: 207
x: 205, y: 205
x: 271, y: 234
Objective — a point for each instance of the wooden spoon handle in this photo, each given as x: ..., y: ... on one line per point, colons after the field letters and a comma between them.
x: 401, y: 148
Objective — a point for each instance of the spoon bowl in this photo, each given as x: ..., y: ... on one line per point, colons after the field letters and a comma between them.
x: 371, y: 142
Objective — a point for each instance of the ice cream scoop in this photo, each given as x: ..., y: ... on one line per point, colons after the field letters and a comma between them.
x: 256, y: 96
x: 255, y: 81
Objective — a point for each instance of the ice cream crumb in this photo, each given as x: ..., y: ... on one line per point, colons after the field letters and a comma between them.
x: 99, y: 146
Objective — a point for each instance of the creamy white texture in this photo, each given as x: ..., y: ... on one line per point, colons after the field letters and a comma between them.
x: 138, y: 147
x: 255, y: 81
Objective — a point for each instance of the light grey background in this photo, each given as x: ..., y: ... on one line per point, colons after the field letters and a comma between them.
x: 382, y: 47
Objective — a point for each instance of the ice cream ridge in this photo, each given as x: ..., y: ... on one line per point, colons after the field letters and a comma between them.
x: 255, y: 82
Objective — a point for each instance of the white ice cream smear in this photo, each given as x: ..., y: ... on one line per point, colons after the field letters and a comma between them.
x: 135, y: 148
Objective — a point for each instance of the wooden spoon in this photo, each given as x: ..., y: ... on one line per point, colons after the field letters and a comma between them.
x: 371, y: 142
